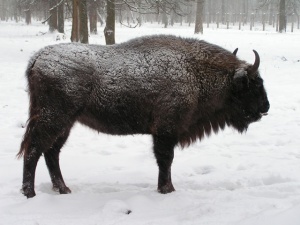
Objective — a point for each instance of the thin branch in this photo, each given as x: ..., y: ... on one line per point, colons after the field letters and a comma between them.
x: 130, y: 25
x: 47, y: 19
x: 57, y: 5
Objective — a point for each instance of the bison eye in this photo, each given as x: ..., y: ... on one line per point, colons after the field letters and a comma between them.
x: 258, y: 82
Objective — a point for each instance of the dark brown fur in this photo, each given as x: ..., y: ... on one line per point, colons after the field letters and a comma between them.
x: 177, y: 90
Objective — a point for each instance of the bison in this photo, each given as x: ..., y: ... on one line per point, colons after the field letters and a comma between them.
x: 176, y: 89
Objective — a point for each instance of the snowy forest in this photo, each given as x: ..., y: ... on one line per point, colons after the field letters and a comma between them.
x: 226, y: 178
x: 282, y: 15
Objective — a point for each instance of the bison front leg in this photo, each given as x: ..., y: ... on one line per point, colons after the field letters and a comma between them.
x: 164, y: 153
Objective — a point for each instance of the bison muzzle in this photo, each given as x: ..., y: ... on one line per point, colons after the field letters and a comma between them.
x: 178, y: 90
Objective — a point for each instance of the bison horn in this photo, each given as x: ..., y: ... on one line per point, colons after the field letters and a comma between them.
x: 255, y: 66
x: 235, y: 51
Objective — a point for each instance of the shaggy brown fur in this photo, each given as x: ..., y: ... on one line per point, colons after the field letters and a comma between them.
x: 175, y: 89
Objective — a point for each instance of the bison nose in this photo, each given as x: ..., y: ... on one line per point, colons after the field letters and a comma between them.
x: 265, y: 108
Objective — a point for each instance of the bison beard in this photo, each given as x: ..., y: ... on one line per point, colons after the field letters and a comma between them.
x: 175, y: 89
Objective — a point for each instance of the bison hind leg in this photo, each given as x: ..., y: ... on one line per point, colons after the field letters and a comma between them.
x: 52, y: 162
x: 45, y: 134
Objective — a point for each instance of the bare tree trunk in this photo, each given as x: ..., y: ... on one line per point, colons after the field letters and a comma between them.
x: 93, y: 16
x: 28, y: 16
x: 172, y: 19
x: 245, y: 11
x: 109, y: 30
x: 164, y: 15
x: 223, y: 12
x: 271, y: 13
x: 60, y: 18
x: 15, y: 11
x: 189, y: 16
x: 84, y: 30
x: 53, y: 15
x: 3, y: 6
x: 75, y: 22
x: 282, y: 16
x: 140, y: 20
x: 199, y: 17
x: 210, y: 13
x: 79, y: 24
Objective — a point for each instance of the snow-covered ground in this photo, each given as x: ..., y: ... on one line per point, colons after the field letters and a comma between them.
x: 232, y: 179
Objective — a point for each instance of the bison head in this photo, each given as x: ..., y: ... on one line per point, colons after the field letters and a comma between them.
x: 249, y: 100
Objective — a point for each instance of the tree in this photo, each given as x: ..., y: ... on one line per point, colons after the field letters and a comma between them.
x: 53, y: 15
x: 223, y: 11
x: 15, y: 9
x: 109, y: 30
x: 164, y: 15
x: 27, y: 5
x: 245, y: 11
x: 3, y: 5
x: 56, y: 18
x: 282, y: 16
x: 79, y: 22
x: 93, y: 16
x: 60, y: 17
x: 199, y: 15
x: 295, y: 7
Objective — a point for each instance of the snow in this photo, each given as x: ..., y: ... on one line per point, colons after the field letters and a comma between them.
x: 227, y: 178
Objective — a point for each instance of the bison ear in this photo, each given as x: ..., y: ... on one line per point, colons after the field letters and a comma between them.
x: 240, y: 79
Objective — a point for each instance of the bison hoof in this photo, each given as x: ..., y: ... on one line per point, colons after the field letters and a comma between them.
x: 65, y: 190
x: 28, y: 192
x: 62, y: 190
x: 168, y: 188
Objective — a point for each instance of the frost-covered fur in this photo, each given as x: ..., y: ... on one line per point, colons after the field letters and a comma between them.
x: 173, y: 88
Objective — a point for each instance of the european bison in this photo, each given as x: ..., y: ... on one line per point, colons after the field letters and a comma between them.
x: 175, y: 89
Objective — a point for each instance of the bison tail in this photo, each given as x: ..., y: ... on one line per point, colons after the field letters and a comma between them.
x: 32, y: 110
x: 26, y: 138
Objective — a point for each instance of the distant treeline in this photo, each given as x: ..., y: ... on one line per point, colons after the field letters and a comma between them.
x: 134, y: 13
